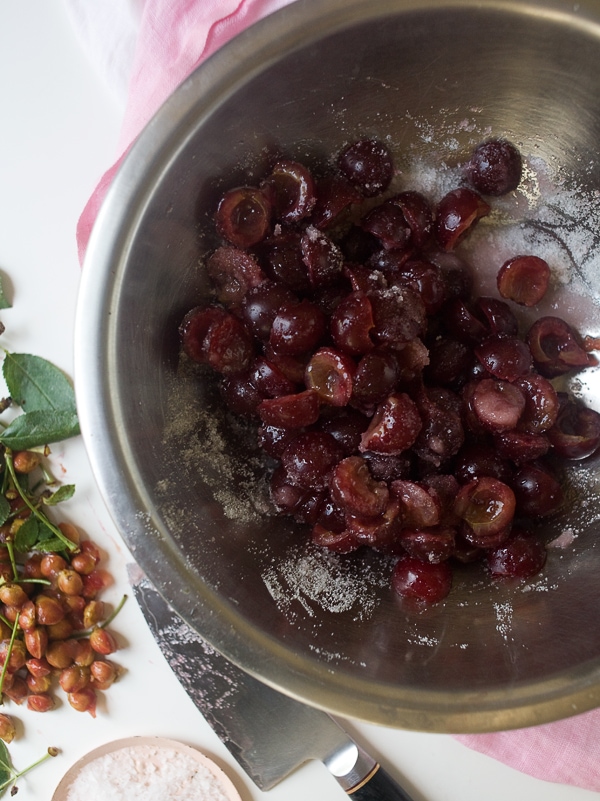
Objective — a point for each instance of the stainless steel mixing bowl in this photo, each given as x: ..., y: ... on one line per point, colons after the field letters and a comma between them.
x: 181, y: 478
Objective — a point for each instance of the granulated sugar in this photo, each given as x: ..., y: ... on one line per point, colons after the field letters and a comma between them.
x: 148, y: 772
x: 317, y: 580
x: 546, y: 217
x: 199, y: 437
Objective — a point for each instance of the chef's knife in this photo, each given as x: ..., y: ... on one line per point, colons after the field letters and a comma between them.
x: 269, y: 734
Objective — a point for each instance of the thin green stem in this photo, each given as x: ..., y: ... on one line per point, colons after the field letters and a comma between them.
x: 114, y: 613
x: 71, y: 546
x: 103, y: 625
x: 11, y: 555
x: 50, y: 754
x: 8, y: 653
x: 15, y: 775
x: 25, y: 580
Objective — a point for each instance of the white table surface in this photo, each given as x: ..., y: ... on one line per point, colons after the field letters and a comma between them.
x: 58, y: 132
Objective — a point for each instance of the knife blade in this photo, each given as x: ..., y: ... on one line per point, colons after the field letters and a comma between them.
x: 269, y: 734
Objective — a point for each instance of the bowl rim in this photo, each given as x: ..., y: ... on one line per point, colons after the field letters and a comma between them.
x: 132, y: 509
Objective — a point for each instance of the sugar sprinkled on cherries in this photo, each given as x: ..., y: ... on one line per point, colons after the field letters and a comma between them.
x: 403, y: 413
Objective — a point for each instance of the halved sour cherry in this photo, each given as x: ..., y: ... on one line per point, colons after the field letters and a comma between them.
x: 291, y: 190
x: 557, y: 348
x: 243, y: 216
x: 487, y: 506
x: 457, y: 212
x: 524, y: 279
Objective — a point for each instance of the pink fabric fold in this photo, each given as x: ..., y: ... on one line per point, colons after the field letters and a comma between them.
x: 564, y: 752
x: 173, y: 37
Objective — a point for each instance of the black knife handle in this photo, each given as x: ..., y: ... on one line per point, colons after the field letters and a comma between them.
x: 378, y: 786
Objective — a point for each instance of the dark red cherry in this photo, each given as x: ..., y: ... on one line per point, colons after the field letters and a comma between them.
x: 521, y: 446
x: 388, y: 262
x: 418, y: 507
x: 495, y: 167
x: 310, y: 458
x: 462, y: 323
x: 388, y: 224
x: 226, y: 345
x: 270, y: 381
x: 442, y: 433
x: 345, y: 424
x: 477, y: 460
x: 456, y: 214
x: 449, y: 361
x: 576, y: 432
x: 352, y: 324
x: 335, y: 195
x: 234, y: 273
x: 290, y: 411
x: 487, y: 506
x: 331, y: 373
x: 274, y: 440
x: 336, y: 541
x: 297, y: 328
x: 538, y: 493
x: 497, y: 316
x: 421, y: 581
x: 322, y: 257
x: 261, y: 304
x: 398, y: 314
x: 524, y: 279
x: 194, y: 328
x: 243, y: 216
x: 432, y: 545
x: 375, y: 378
x: 240, y: 395
x: 541, y: 403
x: 505, y: 357
x: 286, y: 496
x: 388, y: 468
x: 355, y: 490
x: 368, y: 165
x: 426, y: 279
x: 394, y: 427
x: 498, y: 405
x: 557, y: 348
x: 418, y: 214
x: 291, y: 189
x: 281, y: 259
x: 521, y: 556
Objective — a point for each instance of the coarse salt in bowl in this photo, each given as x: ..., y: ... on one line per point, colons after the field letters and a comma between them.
x: 144, y: 769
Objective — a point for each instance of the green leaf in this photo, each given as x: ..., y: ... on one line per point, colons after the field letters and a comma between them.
x: 34, y: 533
x: 4, y: 302
x: 35, y: 384
x: 27, y: 534
x: 7, y: 772
x: 52, y: 545
x: 62, y: 494
x: 40, y: 427
x: 45, y: 532
x: 4, y: 510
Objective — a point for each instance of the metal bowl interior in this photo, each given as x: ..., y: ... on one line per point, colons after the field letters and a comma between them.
x: 182, y: 478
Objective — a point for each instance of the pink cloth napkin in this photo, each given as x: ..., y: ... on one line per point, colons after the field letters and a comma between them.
x: 160, y: 42
x: 145, y: 48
